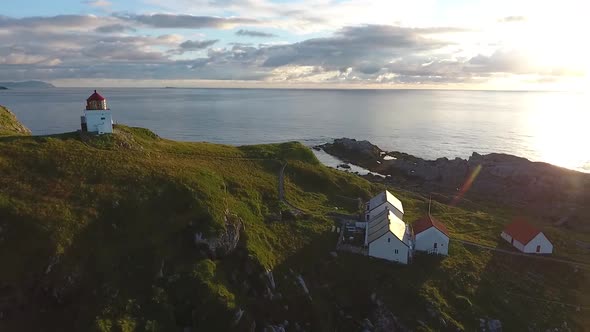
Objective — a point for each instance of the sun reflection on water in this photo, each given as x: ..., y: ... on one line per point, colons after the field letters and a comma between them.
x: 559, y: 127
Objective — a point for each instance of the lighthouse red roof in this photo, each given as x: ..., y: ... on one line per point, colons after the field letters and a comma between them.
x: 427, y: 222
x: 95, y: 96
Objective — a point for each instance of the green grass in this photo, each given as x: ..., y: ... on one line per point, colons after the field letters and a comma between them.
x: 125, y: 202
x: 115, y: 215
x: 9, y: 125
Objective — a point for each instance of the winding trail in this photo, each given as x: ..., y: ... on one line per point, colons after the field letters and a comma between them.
x: 282, y: 198
x: 578, y: 264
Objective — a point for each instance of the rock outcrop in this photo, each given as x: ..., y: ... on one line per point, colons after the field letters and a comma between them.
x: 362, y: 153
x: 226, y: 242
x: 9, y: 124
x: 551, y: 191
x: 382, y: 319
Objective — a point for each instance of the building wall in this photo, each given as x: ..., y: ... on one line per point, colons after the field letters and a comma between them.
x: 426, y: 239
x: 531, y: 247
x: 506, y: 237
x: 518, y: 245
x: 382, y: 248
x: 539, y: 240
x: 372, y: 213
x: 99, y: 121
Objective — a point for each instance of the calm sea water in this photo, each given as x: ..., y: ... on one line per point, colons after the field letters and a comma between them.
x: 541, y: 126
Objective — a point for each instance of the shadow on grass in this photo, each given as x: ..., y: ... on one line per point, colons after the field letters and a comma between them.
x: 342, y: 289
x: 38, y: 138
x: 526, y: 292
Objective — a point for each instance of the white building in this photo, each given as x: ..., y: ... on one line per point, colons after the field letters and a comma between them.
x: 388, y: 237
x: 97, y: 117
x: 526, y: 238
x: 431, y: 236
x: 384, y: 200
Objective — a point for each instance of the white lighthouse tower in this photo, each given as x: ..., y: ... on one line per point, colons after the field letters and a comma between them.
x: 97, y: 117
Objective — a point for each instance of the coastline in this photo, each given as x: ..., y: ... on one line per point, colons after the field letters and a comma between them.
x: 427, y: 124
x: 554, y: 194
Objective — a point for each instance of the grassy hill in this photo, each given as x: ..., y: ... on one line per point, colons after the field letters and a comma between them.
x: 97, y: 233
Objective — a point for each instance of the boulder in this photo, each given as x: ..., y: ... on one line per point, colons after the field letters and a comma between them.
x: 227, y: 241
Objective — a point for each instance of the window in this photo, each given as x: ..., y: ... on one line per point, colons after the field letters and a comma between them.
x: 388, y: 239
x: 538, y: 248
x: 435, y: 244
x: 102, y: 118
x: 368, y: 215
x: 396, y: 251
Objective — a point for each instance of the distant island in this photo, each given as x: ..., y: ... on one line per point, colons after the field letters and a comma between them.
x: 25, y: 85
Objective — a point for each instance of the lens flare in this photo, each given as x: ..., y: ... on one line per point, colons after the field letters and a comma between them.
x: 465, y: 187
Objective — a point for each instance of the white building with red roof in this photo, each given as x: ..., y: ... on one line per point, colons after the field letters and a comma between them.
x: 431, y: 236
x: 97, y: 116
x: 527, y: 238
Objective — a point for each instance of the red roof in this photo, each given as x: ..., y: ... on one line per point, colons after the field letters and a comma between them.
x: 426, y: 222
x: 521, y: 231
x: 95, y: 96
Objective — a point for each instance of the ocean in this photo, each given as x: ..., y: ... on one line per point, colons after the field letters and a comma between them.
x: 541, y: 126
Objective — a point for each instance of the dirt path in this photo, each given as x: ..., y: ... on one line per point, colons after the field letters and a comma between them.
x: 282, y: 198
x: 509, y: 252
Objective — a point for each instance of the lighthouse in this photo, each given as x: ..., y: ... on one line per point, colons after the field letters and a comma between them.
x: 97, y: 116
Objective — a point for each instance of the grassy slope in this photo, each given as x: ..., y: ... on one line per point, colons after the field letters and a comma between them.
x: 469, y: 284
x: 113, y: 210
x: 9, y: 125
x: 127, y: 202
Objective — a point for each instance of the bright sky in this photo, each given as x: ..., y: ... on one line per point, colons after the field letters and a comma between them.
x: 501, y: 44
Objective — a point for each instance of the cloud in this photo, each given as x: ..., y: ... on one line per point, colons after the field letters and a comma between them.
x: 193, y: 45
x: 501, y: 61
x: 115, y: 28
x: 252, y: 33
x: 59, y: 22
x: 512, y: 19
x: 187, y: 21
x: 352, y: 46
x: 120, y: 47
x: 359, y: 53
x: 98, y: 3
x: 190, y: 45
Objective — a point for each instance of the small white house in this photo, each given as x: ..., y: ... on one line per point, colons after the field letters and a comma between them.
x: 431, y: 236
x: 384, y: 201
x: 97, y: 117
x: 526, y: 238
x: 388, y: 237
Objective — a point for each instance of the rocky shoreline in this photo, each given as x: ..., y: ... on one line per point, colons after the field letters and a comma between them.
x: 555, y: 194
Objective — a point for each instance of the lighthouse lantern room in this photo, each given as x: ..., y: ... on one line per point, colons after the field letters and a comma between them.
x: 97, y: 116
